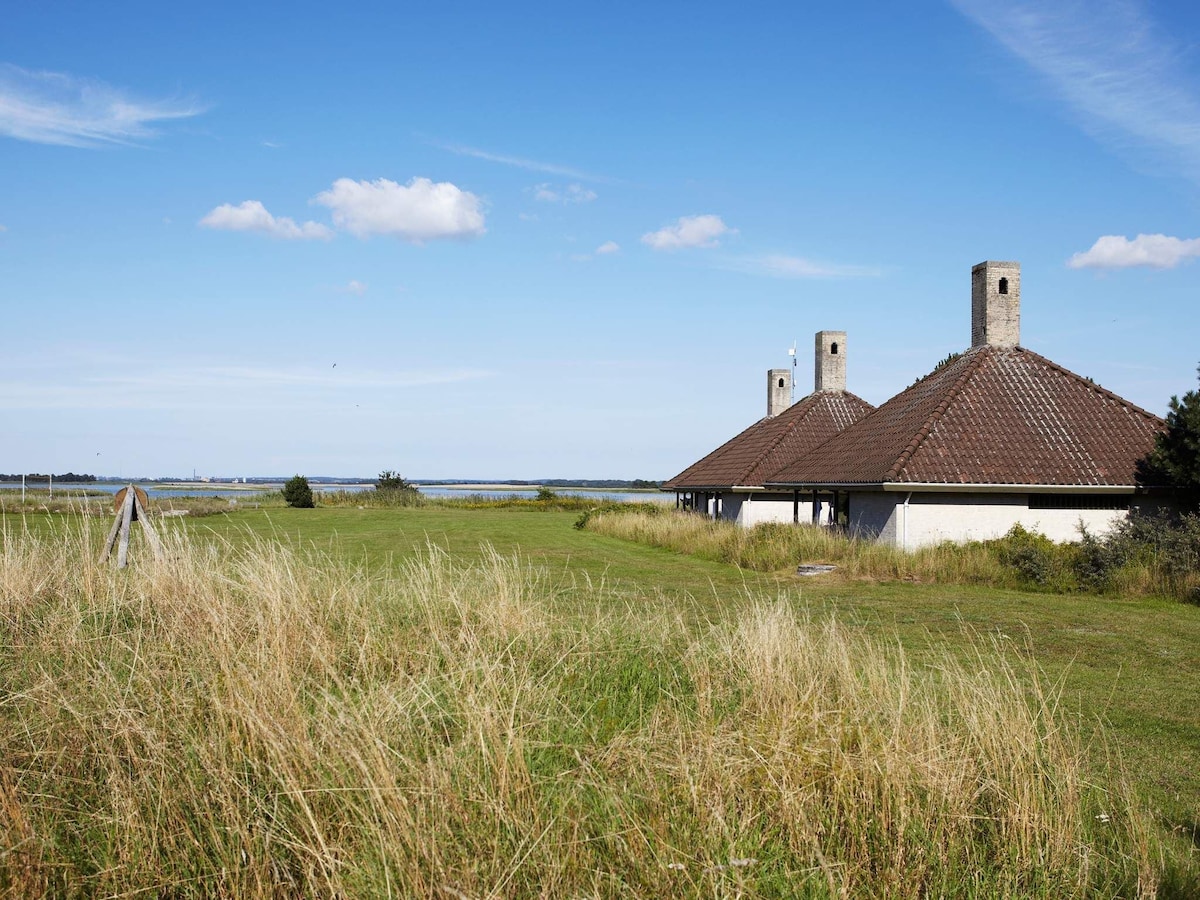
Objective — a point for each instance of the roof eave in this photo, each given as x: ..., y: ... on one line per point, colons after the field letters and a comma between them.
x: 963, y: 488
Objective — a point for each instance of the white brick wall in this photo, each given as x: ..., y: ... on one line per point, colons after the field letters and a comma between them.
x: 932, y: 518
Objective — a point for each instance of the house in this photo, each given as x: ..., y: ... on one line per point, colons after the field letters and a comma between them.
x: 728, y: 483
x: 995, y: 437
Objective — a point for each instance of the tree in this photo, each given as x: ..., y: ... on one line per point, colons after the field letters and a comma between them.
x: 297, y: 493
x: 393, y: 481
x: 1175, y: 459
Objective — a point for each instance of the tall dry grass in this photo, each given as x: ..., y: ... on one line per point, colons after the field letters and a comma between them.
x: 262, y: 722
x: 771, y: 547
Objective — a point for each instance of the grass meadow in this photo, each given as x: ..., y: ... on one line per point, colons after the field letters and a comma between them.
x: 452, y: 702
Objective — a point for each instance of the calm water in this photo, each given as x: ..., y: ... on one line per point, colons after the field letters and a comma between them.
x: 204, y: 490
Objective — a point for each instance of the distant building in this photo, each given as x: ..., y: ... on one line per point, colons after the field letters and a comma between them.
x: 995, y: 437
x: 729, y: 483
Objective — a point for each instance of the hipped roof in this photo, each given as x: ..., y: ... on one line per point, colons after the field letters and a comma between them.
x: 771, y: 442
x: 994, y: 415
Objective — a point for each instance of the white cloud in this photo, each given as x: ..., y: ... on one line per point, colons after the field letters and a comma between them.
x: 780, y: 266
x: 55, y: 108
x: 353, y: 286
x: 419, y: 211
x: 1156, y: 251
x: 1111, y: 63
x: 608, y: 247
x: 251, y: 215
x: 688, y: 231
x: 572, y: 193
x: 531, y: 164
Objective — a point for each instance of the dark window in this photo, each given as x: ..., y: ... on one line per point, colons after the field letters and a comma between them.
x: 1004, y: 285
x: 781, y: 382
x: 1079, y: 501
x: 833, y: 348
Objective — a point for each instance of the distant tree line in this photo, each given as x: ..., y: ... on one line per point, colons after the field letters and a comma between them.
x: 606, y: 483
x: 68, y: 478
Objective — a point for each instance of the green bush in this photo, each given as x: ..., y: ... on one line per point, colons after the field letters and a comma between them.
x: 297, y: 493
x: 393, y: 481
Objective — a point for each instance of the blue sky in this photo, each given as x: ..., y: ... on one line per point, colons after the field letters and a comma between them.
x: 489, y: 240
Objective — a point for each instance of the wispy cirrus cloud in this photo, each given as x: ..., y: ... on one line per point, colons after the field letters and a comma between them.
x: 1117, y: 69
x: 251, y: 215
x: 520, y: 162
x: 1153, y: 251
x: 57, y: 108
x: 778, y: 265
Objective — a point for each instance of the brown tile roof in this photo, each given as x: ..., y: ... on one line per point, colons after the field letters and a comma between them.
x: 771, y: 442
x: 991, y: 416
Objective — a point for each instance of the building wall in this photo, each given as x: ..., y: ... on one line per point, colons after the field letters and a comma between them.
x: 752, y: 508
x: 873, y: 515
x: 936, y: 517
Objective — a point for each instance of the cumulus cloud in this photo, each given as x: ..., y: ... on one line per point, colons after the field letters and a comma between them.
x: 688, y: 231
x: 56, y: 108
x: 608, y: 247
x: 354, y: 286
x: 251, y: 215
x: 419, y: 211
x: 572, y: 193
x: 1155, y: 251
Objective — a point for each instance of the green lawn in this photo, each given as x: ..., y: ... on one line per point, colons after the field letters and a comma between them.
x: 1131, y: 663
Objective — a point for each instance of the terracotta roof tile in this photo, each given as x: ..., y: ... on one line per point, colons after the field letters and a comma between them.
x: 773, y: 442
x: 991, y: 416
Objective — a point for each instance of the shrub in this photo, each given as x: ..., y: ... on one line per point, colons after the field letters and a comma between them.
x: 545, y: 495
x: 393, y: 481
x: 297, y: 493
x: 1035, y: 557
x: 1175, y: 459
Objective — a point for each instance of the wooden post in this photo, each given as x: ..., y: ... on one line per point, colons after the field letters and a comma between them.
x: 126, y: 519
x: 131, y: 510
x: 147, y: 526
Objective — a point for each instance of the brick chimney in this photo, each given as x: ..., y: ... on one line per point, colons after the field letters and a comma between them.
x: 829, y: 370
x: 996, y: 304
x: 779, y: 391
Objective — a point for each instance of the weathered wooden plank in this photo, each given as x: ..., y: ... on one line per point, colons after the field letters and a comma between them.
x: 147, y: 526
x: 112, y: 537
x: 126, y: 518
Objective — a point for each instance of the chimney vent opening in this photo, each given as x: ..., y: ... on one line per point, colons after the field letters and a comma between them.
x: 1004, y: 285
x: 833, y: 348
x: 780, y: 382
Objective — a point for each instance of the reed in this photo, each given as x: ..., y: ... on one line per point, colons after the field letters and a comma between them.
x: 257, y: 721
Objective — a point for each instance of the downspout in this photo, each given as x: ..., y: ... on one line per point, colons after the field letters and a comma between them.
x: 904, y: 537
